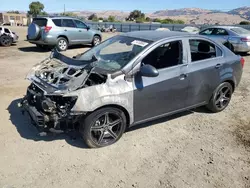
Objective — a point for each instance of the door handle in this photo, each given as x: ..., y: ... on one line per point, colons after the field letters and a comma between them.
x: 218, y: 66
x: 65, y: 29
x: 80, y: 30
x: 183, y: 76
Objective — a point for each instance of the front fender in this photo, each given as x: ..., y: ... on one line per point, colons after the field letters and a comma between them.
x: 114, y: 92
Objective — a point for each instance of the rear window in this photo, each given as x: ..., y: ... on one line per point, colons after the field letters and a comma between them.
x: 57, y: 22
x: 40, y: 21
x: 240, y: 30
x: 0, y: 29
x: 68, y: 23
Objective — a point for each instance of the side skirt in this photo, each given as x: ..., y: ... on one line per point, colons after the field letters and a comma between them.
x: 168, y: 114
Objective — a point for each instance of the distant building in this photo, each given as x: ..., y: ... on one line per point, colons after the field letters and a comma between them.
x: 13, y: 19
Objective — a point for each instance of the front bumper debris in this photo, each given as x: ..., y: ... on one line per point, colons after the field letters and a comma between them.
x: 49, y: 114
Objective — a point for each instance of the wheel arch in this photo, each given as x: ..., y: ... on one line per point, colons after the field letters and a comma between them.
x: 127, y: 115
x: 232, y: 82
x: 98, y: 35
x: 63, y: 36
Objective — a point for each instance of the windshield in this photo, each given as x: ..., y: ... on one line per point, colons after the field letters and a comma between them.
x: 240, y: 30
x: 115, y: 53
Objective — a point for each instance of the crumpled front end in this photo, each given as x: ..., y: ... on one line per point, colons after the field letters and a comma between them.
x: 52, y: 79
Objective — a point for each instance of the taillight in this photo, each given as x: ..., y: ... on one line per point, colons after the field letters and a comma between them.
x: 242, y: 61
x: 245, y: 39
x: 47, y: 29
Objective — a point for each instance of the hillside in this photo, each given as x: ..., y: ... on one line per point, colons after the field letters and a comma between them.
x: 243, y: 12
x: 189, y: 15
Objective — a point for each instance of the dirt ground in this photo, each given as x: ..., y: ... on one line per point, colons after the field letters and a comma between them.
x: 193, y: 149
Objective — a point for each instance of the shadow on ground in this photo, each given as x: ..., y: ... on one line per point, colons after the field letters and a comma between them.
x: 28, y: 131
x: 48, y: 49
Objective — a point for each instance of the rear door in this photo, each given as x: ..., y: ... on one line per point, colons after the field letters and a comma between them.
x: 83, y: 34
x: 204, y: 70
x: 218, y: 34
x: 70, y: 30
x: 221, y: 35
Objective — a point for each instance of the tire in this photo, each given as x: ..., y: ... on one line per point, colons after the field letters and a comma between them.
x: 96, y: 40
x: 34, y: 32
x: 97, y: 133
x: 221, y: 97
x: 62, y: 44
x: 5, y: 40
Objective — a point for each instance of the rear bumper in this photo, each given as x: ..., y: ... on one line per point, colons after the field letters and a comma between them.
x: 242, y: 47
x: 48, y: 40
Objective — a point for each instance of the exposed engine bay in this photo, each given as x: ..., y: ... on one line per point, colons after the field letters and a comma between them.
x: 51, y: 79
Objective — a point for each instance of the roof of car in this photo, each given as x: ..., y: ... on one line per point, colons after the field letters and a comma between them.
x: 223, y: 27
x: 155, y: 35
x: 56, y: 17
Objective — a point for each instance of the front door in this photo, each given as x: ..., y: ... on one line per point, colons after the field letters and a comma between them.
x: 166, y: 93
x: 83, y: 34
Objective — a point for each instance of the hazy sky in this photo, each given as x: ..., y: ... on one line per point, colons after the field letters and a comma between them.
x: 125, y: 5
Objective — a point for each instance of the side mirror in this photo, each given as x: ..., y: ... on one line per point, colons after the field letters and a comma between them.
x: 148, y: 71
x: 88, y: 27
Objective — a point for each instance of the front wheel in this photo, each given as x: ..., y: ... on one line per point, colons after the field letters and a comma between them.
x: 103, y: 127
x: 5, y: 40
x: 221, y: 97
x: 96, y: 40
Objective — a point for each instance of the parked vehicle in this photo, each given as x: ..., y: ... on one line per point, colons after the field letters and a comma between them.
x: 130, y: 79
x: 61, y: 32
x: 162, y: 29
x: 7, y: 37
x: 235, y: 38
x: 190, y: 29
x: 111, y: 28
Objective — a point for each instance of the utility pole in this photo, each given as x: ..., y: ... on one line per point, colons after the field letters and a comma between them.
x: 64, y: 8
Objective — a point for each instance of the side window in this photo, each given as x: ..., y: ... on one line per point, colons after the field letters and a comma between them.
x: 68, y: 23
x: 6, y: 30
x: 207, y: 31
x: 80, y: 24
x: 201, y: 49
x: 220, y: 32
x: 57, y: 22
x: 167, y: 55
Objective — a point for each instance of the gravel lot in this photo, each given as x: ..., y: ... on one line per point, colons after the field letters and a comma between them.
x: 192, y: 149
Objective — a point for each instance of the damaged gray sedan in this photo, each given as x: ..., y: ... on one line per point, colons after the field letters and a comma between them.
x: 130, y: 79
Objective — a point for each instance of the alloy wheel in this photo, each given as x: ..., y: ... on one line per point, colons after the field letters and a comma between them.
x: 97, y: 41
x: 62, y: 44
x: 106, y: 129
x: 223, y: 97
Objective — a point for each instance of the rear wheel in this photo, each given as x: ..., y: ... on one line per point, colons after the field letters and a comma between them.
x: 5, y: 40
x: 221, y: 97
x: 103, y: 127
x: 62, y: 44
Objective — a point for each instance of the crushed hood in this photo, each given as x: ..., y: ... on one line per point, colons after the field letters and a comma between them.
x: 60, y: 74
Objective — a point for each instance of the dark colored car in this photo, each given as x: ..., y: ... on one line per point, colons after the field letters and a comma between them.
x: 130, y: 79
